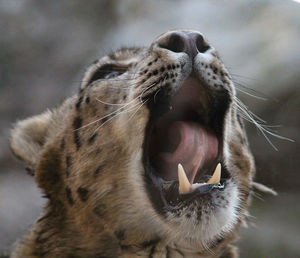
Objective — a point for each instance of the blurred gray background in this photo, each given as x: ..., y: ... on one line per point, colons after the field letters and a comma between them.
x: 46, y: 45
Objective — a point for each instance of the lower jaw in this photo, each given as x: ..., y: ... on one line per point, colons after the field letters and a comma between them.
x: 165, y: 196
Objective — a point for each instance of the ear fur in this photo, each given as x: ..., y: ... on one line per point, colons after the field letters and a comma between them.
x: 29, y: 136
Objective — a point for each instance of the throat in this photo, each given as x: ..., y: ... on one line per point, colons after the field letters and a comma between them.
x: 184, y: 142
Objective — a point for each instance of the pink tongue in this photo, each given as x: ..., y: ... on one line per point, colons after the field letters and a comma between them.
x: 196, y: 147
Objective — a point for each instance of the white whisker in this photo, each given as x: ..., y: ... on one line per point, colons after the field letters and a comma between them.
x: 252, y: 95
x: 137, y: 109
x: 251, y: 117
x: 118, y: 114
x: 111, y: 104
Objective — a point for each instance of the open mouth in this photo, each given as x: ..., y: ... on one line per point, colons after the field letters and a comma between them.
x: 183, y: 145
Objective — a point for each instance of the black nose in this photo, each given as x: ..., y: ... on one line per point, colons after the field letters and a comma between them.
x: 190, y: 43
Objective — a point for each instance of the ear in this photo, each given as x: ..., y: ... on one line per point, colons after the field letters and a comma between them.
x: 29, y: 136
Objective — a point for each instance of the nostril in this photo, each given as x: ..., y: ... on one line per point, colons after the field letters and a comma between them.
x: 174, y: 43
x: 201, y: 45
x: 189, y: 43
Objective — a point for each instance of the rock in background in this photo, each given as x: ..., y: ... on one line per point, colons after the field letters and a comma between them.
x: 45, y: 46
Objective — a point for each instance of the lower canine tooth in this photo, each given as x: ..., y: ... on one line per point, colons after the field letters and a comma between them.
x: 215, y: 178
x: 184, y: 184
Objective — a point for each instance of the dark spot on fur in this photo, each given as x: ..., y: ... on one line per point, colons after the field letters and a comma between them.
x: 214, y: 77
x: 150, y: 63
x: 173, y: 80
x: 48, y: 172
x: 150, y: 243
x: 162, y: 69
x: 77, y: 123
x: 152, y: 250
x: 173, y: 66
x: 69, y: 196
x: 124, y: 96
x: 169, y: 67
x: 146, y: 71
x: 87, y: 100
x: 167, y: 252
x: 68, y: 164
x: 104, y: 119
x: 149, y: 75
x: 99, y: 210
x: 155, y: 72
x: 177, y: 65
x: 82, y: 193
x: 78, y: 104
x: 199, y: 215
x: 98, y: 170
x: 224, y: 80
x: 188, y: 215
x: 92, y: 138
x: 62, y: 144
x: 120, y: 234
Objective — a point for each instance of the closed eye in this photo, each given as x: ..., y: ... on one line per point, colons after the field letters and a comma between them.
x: 112, y: 75
x: 107, y: 71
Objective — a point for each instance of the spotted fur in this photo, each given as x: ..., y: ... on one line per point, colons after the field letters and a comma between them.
x: 88, y: 159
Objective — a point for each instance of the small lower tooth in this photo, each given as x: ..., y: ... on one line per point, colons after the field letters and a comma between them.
x: 197, y: 185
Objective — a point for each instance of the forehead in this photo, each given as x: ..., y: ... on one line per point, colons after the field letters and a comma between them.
x: 125, y: 53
